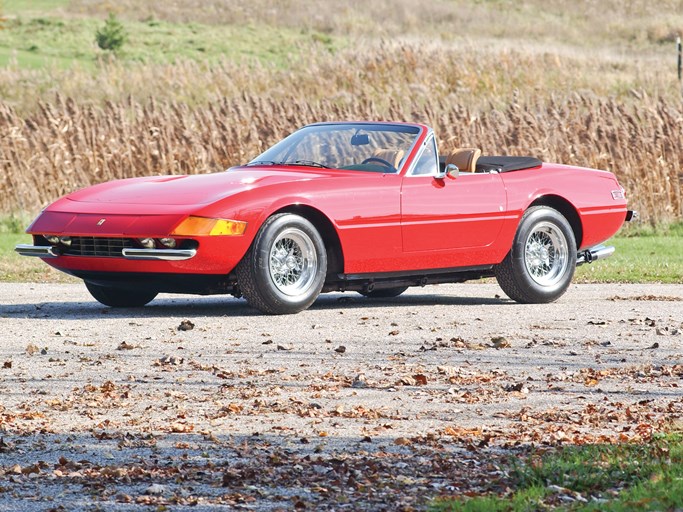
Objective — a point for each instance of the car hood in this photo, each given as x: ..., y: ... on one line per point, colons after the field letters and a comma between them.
x: 196, y: 190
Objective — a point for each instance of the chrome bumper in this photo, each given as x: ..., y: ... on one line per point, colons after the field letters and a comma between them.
x: 42, y: 251
x: 599, y: 252
x: 47, y: 251
x: 159, y: 254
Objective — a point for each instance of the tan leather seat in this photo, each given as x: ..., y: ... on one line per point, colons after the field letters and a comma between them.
x: 465, y: 158
x: 393, y: 156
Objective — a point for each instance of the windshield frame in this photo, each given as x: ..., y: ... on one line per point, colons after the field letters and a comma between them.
x: 418, y: 131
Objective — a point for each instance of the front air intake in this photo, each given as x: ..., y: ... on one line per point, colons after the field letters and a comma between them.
x: 97, y: 246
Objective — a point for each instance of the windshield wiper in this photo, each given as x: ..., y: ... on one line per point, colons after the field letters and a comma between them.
x: 263, y: 162
x: 308, y: 163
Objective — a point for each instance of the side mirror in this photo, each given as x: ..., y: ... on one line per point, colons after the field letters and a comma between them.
x: 452, y: 171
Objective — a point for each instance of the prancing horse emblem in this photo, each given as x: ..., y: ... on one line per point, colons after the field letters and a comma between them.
x: 102, y: 221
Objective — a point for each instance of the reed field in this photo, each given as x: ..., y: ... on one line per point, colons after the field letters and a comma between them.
x: 571, y: 84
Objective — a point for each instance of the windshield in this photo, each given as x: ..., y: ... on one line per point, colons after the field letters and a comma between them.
x: 353, y: 146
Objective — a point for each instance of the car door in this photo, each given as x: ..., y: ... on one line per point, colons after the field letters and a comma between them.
x: 449, y: 216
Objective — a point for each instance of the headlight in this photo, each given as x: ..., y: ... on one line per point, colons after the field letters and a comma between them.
x: 66, y: 240
x: 53, y: 239
x: 147, y: 243
x: 168, y: 242
x: 202, y: 226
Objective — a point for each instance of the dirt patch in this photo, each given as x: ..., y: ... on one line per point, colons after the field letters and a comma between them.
x: 203, y: 402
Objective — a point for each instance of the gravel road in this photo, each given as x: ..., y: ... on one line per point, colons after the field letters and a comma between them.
x: 202, y: 403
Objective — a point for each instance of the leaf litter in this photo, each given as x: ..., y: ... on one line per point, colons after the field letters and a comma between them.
x: 387, y: 429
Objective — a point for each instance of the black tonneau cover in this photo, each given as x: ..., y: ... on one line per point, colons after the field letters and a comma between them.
x: 506, y: 163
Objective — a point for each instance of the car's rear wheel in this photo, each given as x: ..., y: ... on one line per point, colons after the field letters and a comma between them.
x: 384, y: 293
x: 285, y: 267
x: 120, y: 297
x: 541, y: 263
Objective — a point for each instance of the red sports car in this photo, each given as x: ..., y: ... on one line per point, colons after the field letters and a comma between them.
x: 363, y: 206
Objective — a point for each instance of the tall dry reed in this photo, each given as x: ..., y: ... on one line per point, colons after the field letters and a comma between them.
x: 64, y: 145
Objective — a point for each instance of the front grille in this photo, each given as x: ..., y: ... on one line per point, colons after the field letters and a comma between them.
x: 97, y: 246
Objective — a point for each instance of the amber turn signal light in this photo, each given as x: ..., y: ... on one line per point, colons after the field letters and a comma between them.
x: 202, y: 226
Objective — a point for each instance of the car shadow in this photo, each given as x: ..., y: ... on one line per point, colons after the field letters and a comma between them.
x: 222, y: 305
x: 357, y: 301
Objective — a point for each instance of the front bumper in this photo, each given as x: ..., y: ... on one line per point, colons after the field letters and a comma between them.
x: 216, y: 255
x: 48, y: 251
x: 41, y: 251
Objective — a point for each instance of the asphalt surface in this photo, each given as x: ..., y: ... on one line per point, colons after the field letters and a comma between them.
x: 205, y: 404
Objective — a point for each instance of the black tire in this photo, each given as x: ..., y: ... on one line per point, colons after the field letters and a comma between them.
x: 120, y: 297
x: 384, y: 293
x: 540, y: 265
x: 284, y: 269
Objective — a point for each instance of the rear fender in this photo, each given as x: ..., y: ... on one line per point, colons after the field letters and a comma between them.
x: 568, y: 211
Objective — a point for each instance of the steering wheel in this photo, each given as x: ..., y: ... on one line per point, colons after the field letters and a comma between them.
x: 381, y: 161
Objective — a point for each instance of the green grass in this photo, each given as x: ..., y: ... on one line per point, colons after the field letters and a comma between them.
x: 15, y: 268
x: 620, y: 477
x: 643, y: 255
x: 42, y: 41
x: 23, y: 7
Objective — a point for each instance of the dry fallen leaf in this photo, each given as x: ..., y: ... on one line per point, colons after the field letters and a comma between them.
x: 359, y: 382
x: 169, y: 360
x: 520, y: 387
x: 5, y: 447
x: 232, y: 408
x: 186, y: 325
x: 340, y: 349
x: 29, y: 470
x: 155, y: 490
x: 408, y: 381
x: 31, y: 349
x: 403, y: 441
x: 449, y: 371
x: 500, y: 342
x: 181, y: 428
x: 420, y: 380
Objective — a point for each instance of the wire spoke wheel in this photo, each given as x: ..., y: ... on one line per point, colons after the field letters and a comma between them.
x: 284, y: 269
x: 540, y: 264
x: 293, y: 262
x: 546, y: 254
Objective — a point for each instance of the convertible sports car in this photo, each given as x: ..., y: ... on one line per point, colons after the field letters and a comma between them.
x: 368, y: 207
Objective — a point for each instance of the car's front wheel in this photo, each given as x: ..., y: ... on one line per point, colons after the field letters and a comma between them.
x: 284, y: 269
x: 541, y: 263
x: 120, y: 297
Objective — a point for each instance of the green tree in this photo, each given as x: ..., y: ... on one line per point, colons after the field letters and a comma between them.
x: 111, y: 36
